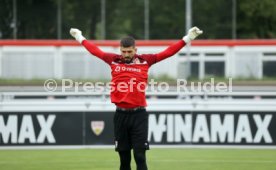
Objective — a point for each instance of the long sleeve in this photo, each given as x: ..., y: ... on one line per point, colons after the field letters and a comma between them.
x: 170, y: 51
x: 96, y: 51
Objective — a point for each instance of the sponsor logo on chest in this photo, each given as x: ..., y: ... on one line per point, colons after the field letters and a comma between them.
x: 136, y: 66
x: 125, y: 68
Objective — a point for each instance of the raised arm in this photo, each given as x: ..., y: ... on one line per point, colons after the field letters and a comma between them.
x: 91, y: 47
x: 174, y: 48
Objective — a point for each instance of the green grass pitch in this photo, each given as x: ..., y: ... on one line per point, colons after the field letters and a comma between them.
x: 158, y: 159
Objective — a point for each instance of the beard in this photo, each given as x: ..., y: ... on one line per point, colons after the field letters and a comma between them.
x: 128, y: 60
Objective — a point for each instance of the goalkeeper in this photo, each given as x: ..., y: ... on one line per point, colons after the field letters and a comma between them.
x: 131, y: 117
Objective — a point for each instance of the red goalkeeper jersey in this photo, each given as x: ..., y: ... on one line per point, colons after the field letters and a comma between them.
x: 129, y: 80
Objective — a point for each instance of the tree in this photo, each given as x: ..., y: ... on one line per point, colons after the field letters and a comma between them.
x: 214, y: 17
x: 6, y: 19
x: 37, y: 19
x: 167, y: 19
x: 125, y: 17
x: 84, y: 14
x: 256, y: 19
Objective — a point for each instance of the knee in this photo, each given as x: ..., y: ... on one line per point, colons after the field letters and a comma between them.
x: 125, y: 157
x: 140, y: 156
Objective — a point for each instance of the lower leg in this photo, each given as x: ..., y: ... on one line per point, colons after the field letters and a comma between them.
x: 125, y: 158
x: 140, y: 159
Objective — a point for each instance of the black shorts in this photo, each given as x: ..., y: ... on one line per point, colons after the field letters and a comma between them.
x: 131, y: 130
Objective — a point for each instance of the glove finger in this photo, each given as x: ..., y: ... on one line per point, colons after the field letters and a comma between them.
x: 199, y: 31
x: 194, y: 29
x: 72, y: 31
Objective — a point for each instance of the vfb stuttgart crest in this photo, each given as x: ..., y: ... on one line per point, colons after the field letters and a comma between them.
x: 97, y: 127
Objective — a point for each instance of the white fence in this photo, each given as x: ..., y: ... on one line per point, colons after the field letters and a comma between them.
x: 157, y: 101
x: 25, y: 61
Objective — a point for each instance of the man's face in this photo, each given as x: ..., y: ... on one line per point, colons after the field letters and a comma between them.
x: 128, y: 53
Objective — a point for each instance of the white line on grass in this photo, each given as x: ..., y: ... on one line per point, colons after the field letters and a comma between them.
x: 215, y: 161
x: 150, y: 160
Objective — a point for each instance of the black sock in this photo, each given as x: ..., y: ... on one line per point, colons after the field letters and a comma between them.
x: 140, y: 159
x: 125, y: 158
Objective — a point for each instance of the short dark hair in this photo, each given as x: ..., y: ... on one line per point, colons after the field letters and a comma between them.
x: 127, y: 42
